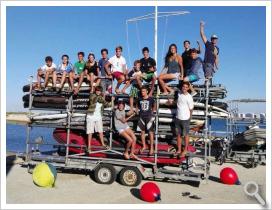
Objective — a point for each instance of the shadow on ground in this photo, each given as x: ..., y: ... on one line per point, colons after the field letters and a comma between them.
x: 9, y: 163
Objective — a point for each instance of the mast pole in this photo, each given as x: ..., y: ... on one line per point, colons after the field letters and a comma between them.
x: 156, y: 34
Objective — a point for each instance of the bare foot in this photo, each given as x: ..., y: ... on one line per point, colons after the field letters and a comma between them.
x: 142, y: 149
x: 133, y: 156
x: 183, y: 154
x: 126, y: 156
x: 117, y: 91
x: 151, y: 152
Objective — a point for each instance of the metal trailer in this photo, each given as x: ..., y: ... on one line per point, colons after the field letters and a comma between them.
x: 105, y: 170
x: 252, y: 156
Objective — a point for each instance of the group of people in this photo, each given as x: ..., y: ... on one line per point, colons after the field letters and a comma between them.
x: 100, y: 75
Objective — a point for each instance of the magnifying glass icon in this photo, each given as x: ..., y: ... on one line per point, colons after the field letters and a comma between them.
x: 251, y: 188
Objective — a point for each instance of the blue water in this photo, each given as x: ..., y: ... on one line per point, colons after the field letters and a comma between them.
x: 16, y: 135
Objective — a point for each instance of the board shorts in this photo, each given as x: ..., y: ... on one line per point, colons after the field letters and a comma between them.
x: 148, y: 76
x: 106, y: 85
x: 182, y: 127
x: 121, y: 130
x: 134, y: 92
x: 208, y: 70
x: 192, y: 78
x: 146, y: 124
x: 117, y: 74
x: 93, y: 125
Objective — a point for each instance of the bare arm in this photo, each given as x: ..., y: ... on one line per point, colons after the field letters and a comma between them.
x: 199, y: 47
x: 107, y: 67
x: 202, y: 34
x: 180, y: 61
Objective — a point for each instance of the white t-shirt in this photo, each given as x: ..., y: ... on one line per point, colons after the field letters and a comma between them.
x: 97, y: 112
x: 185, y: 103
x: 118, y: 64
x: 45, y: 67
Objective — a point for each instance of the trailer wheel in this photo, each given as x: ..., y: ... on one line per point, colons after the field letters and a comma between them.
x: 105, y: 174
x: 130, y: 176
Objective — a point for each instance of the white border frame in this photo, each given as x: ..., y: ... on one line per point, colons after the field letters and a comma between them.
x: 4, y: 4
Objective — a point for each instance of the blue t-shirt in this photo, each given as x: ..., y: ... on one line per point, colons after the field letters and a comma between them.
x: 195, y: 66
x: 209, y: 53
x: 101, y: 65
x: 67, y: 68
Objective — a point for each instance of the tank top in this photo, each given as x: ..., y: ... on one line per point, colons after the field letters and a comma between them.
x: 91, y: 68
x: 173, y: 67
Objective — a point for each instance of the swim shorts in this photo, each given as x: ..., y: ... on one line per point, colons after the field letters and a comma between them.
x: 182, y: 127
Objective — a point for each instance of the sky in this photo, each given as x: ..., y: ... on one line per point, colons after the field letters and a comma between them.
x: 36, y: 32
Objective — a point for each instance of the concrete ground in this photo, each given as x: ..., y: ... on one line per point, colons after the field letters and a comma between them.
x: 72, y: 188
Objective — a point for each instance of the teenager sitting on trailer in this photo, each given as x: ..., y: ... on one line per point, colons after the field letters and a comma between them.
x: 94, y: 116
x: 193, y: 71
x: 49, y: 69
x: 147, y: 107
x: 105, y: 83
x: 124, y: 130
x: 64, y: 69
x: 185, y: 106
x: 186, y: 55
x: 211, y: 59
x: 173, y: 67
x: 118, y: 68
x: 148, y: 68
x: 90, y: 71
x: 78, y: 69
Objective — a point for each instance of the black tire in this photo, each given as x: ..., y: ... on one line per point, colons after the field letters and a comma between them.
x: 105, y: 174
x: 130, y: 176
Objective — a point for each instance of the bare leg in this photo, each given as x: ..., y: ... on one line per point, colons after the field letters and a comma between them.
x: 54, y: 75
x: 133, y: 137
x: 39, y: 77
x: 139, y: 81
x: 79, y: 83
x: 143, y: 140
x: 90, y: 135
x: 125, y: 87
x: 163, y: 85
x: 131, y: 99
x: 91, y: 79
x: 151, y: 138
x: 179, y: 143
x: 119, y: 82
x: 101, y: 136
x: 71, y: 79
x: 46, y: 78
x: 63, y: 79
x: 186, y: 138
x: 152, y: 86
x: 129, y: 143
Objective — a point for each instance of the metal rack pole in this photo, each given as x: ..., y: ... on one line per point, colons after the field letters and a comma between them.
x: 206, y: 127
x: 111, y: 119
x: 69, y: 114
x: 28, y: 126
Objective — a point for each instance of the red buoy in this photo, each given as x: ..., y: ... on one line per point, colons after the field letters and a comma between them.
x: 150, y: 192
x: 228, y: 176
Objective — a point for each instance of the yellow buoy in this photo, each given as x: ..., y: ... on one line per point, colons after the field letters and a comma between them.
x: 44, y: 175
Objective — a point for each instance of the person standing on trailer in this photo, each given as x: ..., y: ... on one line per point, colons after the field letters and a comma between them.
x: 147, y: 107
x: 46, y: 71
x: 124, y: 130
x: 173, y: 67
x: 94, y: 116
x: 148, y: 68
x: 211, y: 59
x: 64, y: 69
x: 105, y: 83
x: 118, y: 68
x: 193, y: 71
x: 186, y: 55
x: 185, y: 106
x: 78, y: 69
